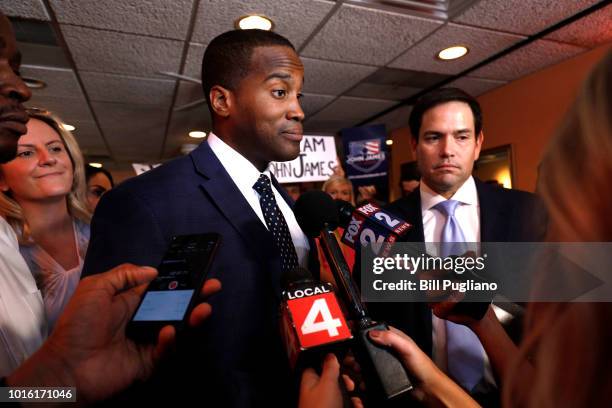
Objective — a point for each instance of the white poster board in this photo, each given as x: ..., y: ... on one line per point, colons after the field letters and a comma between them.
x: 316, y: 161
x: 140, y: 168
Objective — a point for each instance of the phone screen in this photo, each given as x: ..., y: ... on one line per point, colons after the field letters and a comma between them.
x: 180, y: 276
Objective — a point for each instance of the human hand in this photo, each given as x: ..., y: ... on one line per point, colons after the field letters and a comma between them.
x: 321, y: 391
x: 88, y: 348
x: 366, y: 193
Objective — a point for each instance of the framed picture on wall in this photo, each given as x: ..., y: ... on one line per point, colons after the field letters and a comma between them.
x: 495, y: 166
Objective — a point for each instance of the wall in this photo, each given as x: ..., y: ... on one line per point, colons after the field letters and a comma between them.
x: 523, y: 113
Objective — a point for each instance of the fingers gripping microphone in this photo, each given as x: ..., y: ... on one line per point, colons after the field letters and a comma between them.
x: 385, y: 376
x: 312, y: 322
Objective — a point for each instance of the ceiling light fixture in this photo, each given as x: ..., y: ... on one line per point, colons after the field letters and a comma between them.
x: 34, y: 83
x: 96, y: 165
x: 254, y: 22
x: 68, y: 127
x: 197, y: 134
x: 452, y: 53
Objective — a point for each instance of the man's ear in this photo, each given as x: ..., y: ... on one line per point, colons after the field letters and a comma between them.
x: 221, y: 100
x: 479, y: 141
x: 413, y: 144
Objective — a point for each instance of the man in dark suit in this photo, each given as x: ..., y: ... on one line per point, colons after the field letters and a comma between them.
x: 446, y: 127
x: 252, y: 81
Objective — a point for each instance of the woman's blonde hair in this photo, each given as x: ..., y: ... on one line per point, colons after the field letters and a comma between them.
x: 338, y: 180
x: 76, y: 199
x: 570, y: 342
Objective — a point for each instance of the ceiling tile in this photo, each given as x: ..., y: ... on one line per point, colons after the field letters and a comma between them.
x: 367, y: 36
x: 89, y: 138
x: 193, y: 63
x: 25, y: 9
x: 395, y: 119
x: 404, y: 77
x: 66, y: 108
x: 312, y: 103
x: 476, y: 86
x: 188, y: 92
x: 294, y: 20
x: 521, y: 16
x: 43, y: 55
x: 379, y: 91
x: 332, y: 78
x: 481, y: 44
x: 181, y: 124
x: 350, y: 109
x: 126, y: 89
x: 129, y: 127
x: 112, y: 52
x: 61, y: 83
x: 590, y: 31
x: 530, y: 58
x: 158, y: 18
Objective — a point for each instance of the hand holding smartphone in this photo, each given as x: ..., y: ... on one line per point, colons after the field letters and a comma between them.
x: 172, y: 295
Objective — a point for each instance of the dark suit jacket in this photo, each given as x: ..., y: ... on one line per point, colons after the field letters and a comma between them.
x: 505, y: 216
x: 238, y: 354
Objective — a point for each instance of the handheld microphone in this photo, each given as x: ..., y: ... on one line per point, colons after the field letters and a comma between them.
x: 386, y: 378
x: 373, y: 226
x: 312, y: 322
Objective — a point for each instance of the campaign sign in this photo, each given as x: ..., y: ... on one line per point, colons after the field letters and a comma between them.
x: 316, y: 161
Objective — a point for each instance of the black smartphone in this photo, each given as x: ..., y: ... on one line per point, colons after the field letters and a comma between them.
x: 172, y: 295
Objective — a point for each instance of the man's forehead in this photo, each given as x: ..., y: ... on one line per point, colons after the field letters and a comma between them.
x: 268, y: 58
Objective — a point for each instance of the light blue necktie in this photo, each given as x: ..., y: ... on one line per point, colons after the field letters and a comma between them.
x: 464, y: 351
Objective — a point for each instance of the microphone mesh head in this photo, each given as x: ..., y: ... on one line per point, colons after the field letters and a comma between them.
x: 315, y: 209
x: 345, y: 212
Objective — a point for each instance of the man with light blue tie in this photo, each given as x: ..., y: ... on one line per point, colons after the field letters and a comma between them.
x: 452, y: 206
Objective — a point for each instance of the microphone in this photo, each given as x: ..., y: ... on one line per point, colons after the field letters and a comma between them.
x: 371, y: 225
x: 312, y: 322
x: 386, y: 378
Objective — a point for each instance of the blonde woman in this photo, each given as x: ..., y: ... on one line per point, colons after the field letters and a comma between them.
x: 43, y: 198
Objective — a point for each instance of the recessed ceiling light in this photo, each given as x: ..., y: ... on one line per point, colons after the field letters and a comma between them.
x: 197, y: 134
x: 34, y: 83
x: 452, y: 53
x: 254, y: 22
x: 68, y: 127
x: 96, y: 165
x: 389, y: 142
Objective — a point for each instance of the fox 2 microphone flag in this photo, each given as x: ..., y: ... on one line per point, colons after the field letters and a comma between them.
x: 366, y: 155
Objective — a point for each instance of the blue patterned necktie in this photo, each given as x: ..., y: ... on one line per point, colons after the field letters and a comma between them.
x: 276, y: 224
x: 464, y: 351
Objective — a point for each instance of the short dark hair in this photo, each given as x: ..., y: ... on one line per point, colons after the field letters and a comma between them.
x: 227, y: 58
x: 438, y: 97
x: 91, y: 171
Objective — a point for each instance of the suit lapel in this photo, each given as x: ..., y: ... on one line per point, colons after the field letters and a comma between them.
x: 221, y: 190
x: 494, y: 215
x: 409, y: 209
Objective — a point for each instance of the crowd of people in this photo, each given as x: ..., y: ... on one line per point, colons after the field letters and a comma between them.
x: 69, y: 284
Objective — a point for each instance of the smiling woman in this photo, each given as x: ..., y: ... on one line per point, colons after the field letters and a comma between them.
x: 43, y: 198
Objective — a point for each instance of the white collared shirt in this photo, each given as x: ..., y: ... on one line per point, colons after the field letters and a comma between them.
x: 23, y: 326
x: 245, y: 175
x: 467, y: 215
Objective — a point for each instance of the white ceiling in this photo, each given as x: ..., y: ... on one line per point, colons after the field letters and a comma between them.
x: 103, y: 60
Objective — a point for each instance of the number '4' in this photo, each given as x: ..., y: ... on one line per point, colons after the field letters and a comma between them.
x: 329, y: 324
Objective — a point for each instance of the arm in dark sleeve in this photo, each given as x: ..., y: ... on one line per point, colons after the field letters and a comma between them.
x: 123, y: 229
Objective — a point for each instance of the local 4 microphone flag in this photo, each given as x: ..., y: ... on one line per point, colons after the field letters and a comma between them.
x: 366, y: 155
x: 315, y: 315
